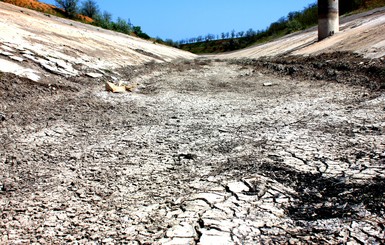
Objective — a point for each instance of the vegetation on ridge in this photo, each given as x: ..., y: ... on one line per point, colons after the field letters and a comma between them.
x: 45, y: 8
x: 294, y: 21
x: 87, y: 12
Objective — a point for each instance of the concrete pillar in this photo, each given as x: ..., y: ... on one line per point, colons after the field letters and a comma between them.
x: 328, y: 18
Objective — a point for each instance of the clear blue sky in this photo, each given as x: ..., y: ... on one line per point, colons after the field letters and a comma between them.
x: 180, y: 19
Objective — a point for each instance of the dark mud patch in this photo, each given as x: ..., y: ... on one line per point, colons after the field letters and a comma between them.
x: 148, y: 68
x: 14, y: 88
x: 341, y: 67
x: 321, y: 197
x: 141, y: 51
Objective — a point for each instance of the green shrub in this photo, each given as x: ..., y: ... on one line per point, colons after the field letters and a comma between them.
x: 70, y: 7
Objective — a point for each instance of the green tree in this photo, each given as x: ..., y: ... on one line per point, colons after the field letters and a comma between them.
x: 123, y: 26
x: 250, y: 33
x: 69, y: 6
x: 294, y: 26
x: 309, y: 16
x: 170, y: 42
x: 233, y: 33
x: 104, y: 20
x: 351, y: 5
x: 138, y: 32
x: 90, y: 8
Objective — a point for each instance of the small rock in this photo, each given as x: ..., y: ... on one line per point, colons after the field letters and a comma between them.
x: 94, y: 75
x: 110, y: 87
x: 279, y: 67
x: 95, y: 236
x: 108, y: 240
x: 26, y: 52
x: 196, y: 205
x: 30, y: 56
x: 5, y: 53
x: 212, y: 178
x: 237, y: 187
x: 184, y: 230
x: 268, y: 84
x: 57, y: 66
x: 76, y: 155
x: 7, y: 48
x: 11, y: 67
x: 61, y: 216
x: 69, y: 238
x: 221, y: 225
x: 80, y: 193
x: 16, y: 58
x: 215, y: 237
x: 42, y: 241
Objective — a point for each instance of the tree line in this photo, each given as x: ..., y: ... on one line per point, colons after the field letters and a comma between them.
x: 294, y: 21
x: 233, y: 40
x: 89, y: 8
x: 211, y: 43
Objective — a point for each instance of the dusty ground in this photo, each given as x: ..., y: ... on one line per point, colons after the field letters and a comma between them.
x: 224, y: 151
x: 202, y: 153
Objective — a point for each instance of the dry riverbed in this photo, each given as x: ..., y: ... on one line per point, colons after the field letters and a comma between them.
x: 204, y: 151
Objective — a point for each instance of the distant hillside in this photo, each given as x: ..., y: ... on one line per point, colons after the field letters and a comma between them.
x: 45, y: 8
x: 33, y: 4
x: 294, y: 21
x: 103, y: 20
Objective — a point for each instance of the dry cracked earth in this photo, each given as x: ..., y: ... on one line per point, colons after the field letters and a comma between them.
x: 284, y: 151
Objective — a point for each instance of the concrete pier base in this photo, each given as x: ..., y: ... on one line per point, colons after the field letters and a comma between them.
x: 328, y: 18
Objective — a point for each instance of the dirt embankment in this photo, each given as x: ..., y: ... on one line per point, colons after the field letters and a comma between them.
x: 41, y: 44
x: 340, y: 67
x: 45, y: 8
x: 361, y: 33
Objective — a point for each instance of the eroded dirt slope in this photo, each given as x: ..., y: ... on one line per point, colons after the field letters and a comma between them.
x: 361, y: 33
x: 202, y: 153
x: 41, y: 42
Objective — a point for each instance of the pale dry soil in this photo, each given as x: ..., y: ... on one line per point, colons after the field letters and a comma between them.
x: 362, y: 33
x: 201, y: 153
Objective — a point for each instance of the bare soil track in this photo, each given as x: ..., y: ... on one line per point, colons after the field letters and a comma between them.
x: 205, y: 151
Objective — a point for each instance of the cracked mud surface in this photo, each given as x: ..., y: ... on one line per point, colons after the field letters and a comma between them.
x: 202, y: 153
